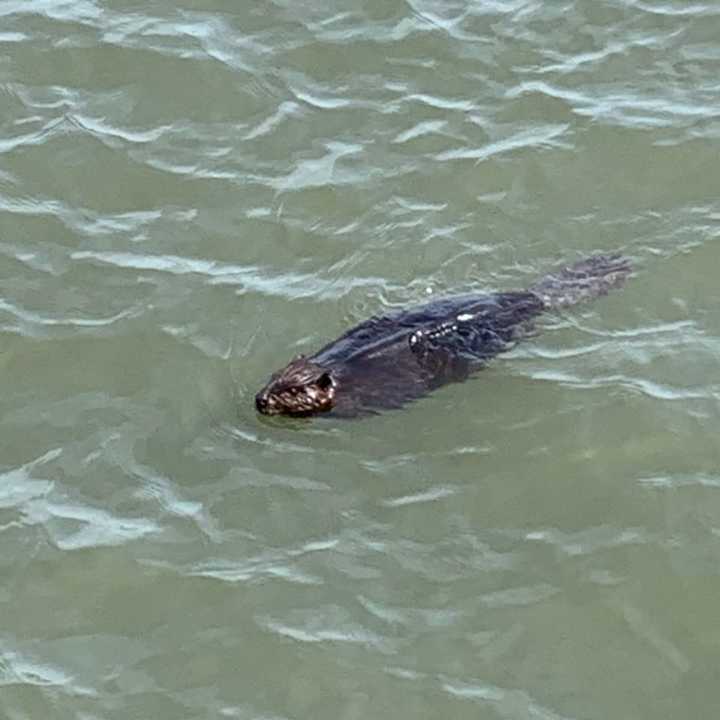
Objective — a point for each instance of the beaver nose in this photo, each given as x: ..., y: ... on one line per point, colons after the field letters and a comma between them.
x: 261, y: 403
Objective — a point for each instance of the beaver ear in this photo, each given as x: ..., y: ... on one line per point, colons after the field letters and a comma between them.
x: 324, y: 381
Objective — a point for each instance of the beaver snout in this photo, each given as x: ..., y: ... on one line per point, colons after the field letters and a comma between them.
x: 262, y: 403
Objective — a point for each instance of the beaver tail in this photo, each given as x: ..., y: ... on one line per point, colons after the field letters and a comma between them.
x: 584, y: 280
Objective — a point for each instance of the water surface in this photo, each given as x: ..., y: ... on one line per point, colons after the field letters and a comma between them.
x: 193, y: 192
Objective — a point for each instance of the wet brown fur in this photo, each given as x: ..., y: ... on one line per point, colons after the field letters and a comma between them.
x: 301, y: 388
x: 388, y: 361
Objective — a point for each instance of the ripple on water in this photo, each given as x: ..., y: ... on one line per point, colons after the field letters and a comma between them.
x: 509, y: 703
x: 430, y: 495
x: 72, y: 527
x: 36, y: 501
x: 329, y: 624
x: 30, y: 324
x: 20, y: 486
x: 18, y: 668
x: 291, y: 285
x: 184, y: 189
x: 590, y: 540
x: 535, y: 137
x: 281, y: 564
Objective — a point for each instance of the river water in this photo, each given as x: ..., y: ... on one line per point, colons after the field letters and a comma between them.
x: 191, y: 193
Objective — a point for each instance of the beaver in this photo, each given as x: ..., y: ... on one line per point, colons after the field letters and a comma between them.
x: 386, y: 362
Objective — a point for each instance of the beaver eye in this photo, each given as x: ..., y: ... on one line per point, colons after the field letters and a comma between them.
x: 324, y: 381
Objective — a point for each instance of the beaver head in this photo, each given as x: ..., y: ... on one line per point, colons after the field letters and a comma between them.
x: 302, y: 388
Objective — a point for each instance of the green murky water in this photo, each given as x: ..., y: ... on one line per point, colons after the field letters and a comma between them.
x: 191, y: 193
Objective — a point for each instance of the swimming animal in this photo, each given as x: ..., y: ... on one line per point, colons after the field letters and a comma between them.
x: 386, y: 362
